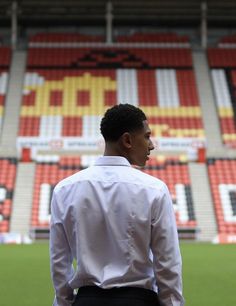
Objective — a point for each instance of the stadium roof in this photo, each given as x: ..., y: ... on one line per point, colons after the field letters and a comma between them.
x: 125, y: 12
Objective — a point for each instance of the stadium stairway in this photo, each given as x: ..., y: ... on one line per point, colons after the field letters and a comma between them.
x: 209, y: 112
x: 13, y: 103
x: 22, y: 200
x: 203, y: 203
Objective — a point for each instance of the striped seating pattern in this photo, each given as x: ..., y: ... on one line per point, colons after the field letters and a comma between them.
x: 222, y: 83
x: 222, y: 61
x: 8, y: 168
x: 65, y: 102
x: 222, y: 176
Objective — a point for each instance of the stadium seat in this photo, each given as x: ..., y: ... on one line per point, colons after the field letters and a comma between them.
x: 8, y: 168
x: 222, y: 61
x: 62, y: 38
x: 223, y: 187
x: 153, y: 38
x: 5, y: 58
x: 49, y: 171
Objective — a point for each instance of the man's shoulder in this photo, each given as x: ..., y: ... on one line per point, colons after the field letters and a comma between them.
x: 146, y: 179
x: 72, y: 179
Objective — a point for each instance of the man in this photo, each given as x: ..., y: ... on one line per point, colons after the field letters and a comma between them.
x: 117, y: 223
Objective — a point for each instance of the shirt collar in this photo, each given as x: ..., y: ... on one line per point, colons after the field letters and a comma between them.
x: 112, y: 161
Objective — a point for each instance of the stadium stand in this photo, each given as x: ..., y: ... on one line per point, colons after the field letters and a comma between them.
x: 222, y: 176
x: 8, y: 168
x: 173, y: 171
x: 68, y: 88
x: 70, y: 80
x: 5, y: 58
x: 222, y: 61
x: 47, y: 176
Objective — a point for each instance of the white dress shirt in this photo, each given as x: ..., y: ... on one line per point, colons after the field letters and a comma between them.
x: 118, y: 223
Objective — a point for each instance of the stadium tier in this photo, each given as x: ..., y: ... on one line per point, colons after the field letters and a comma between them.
x: 7, y: 183
x: 173, y: 171
x: 64, y: 38
x: 228, y: 40
x: 67, y: 90
x: 153, y: 38
x: 5, y: 58
x: 222, y: 176
x: 222, y: 61
x: 173, y: 39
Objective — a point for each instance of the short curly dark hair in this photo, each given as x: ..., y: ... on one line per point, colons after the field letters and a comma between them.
x: 119, y: 119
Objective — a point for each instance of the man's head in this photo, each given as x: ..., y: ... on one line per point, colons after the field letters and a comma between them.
x: 126, y: 133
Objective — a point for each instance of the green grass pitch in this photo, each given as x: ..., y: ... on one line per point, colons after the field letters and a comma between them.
x: 209, y: 275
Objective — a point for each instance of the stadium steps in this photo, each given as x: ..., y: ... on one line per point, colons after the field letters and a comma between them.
x: 22, y: 200
x: 207, y: 102
x: 13, y: 103
x: 203, y: 203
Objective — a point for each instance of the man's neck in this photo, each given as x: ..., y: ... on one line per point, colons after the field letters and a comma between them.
x: 112, y: 149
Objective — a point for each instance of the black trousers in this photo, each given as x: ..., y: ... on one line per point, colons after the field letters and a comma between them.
x: 125, y: 296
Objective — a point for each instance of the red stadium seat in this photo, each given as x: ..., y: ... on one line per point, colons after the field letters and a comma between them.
x: 7, y: 183
x: 223, y: 185
x: 222, y: 61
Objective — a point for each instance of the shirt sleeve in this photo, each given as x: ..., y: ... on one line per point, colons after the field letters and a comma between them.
x: 61, y: 259
x: 166, y: 253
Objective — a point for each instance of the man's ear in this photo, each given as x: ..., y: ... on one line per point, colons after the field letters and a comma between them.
x: 126, y: 140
